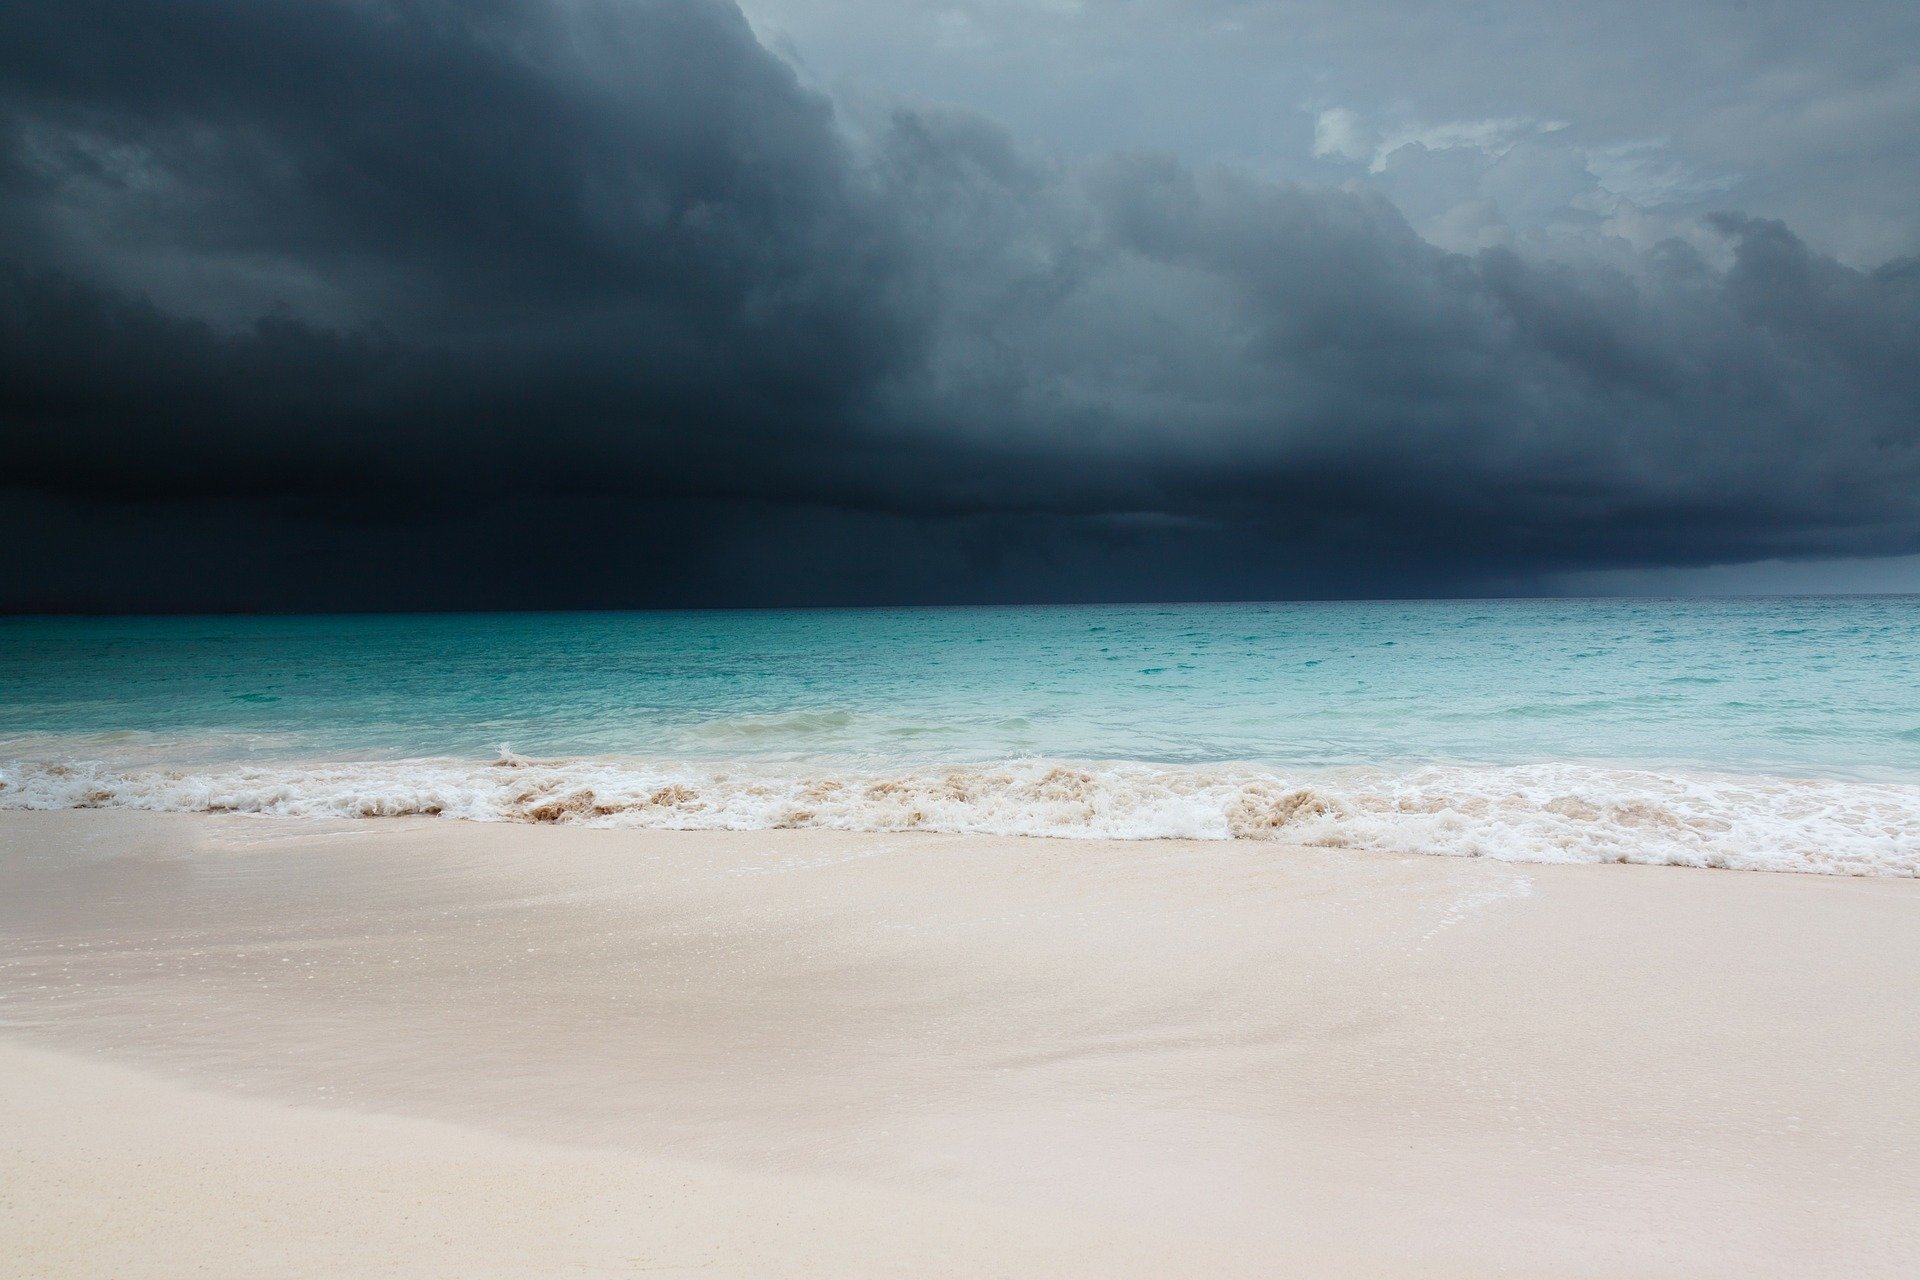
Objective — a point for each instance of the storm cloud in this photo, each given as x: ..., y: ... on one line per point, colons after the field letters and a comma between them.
x: 345, y: 304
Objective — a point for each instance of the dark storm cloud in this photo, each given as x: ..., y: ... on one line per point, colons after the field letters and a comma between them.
x: 341, y: 303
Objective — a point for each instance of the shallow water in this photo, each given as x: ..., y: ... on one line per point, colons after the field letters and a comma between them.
x: 1781, y: 733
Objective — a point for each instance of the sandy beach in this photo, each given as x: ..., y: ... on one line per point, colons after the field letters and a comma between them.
x: 989, y: 640
x: 239, y: 1046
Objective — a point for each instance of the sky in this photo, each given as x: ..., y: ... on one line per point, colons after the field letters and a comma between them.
x: 416, y: 304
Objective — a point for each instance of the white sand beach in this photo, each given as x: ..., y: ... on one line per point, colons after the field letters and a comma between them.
x: 235, y: 1046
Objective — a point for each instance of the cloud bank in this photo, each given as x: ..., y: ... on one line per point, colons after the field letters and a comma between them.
x: 532, y: 303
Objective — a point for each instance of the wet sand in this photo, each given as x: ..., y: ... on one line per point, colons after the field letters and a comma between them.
x: 242, y: 1046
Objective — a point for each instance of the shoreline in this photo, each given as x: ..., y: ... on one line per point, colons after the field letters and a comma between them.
x: 1544, y: 813
x: 922, y: 1054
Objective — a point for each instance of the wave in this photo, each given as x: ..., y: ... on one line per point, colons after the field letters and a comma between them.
x: 1557, y: 812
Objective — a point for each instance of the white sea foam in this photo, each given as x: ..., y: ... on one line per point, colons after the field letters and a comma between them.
x: 1527, y: 813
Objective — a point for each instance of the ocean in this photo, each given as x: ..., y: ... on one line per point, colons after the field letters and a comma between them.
x: 1779, y: 734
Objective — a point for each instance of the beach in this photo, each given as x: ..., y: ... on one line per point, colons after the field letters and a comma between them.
x: 1033, y: 640
x: 235, y: 1045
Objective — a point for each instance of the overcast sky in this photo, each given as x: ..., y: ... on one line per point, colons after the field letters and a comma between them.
x: 540, y: 303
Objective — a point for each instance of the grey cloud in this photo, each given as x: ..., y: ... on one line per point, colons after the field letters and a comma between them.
x: 587, y: 302
x: 1806, y: 113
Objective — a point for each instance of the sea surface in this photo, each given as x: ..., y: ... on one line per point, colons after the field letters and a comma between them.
x: 1780, y: 734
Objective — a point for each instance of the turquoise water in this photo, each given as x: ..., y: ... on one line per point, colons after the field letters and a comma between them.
x: 1313, y: 695
x: 1815, y: 686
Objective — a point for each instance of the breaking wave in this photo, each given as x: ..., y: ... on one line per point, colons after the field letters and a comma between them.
x: 1525, y: 813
